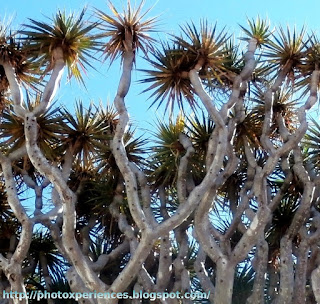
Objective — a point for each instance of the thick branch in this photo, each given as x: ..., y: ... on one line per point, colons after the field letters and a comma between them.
x: 79, y: 261
x: 53, y: 84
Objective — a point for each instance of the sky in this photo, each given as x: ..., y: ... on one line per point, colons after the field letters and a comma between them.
x: 102, y: 84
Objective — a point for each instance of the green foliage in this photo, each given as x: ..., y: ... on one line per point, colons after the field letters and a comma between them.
x: 126, y: 31
x: 169, y: 77
x: 13, y: 51
x: 243, y: 284
x: 287, y: 50
x: 205, y: 47
x: 172, y: 63
x: 258, y: 30
x: 167, y: 152
x: 312, y: 144
x: 67, y: 32
x: 43, y: 248
x: 12, y: 129
x: 84, y: 133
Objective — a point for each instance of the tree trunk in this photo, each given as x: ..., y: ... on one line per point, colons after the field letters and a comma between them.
x: 224, y: 282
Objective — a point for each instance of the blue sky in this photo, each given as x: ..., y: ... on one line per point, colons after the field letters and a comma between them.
x: 228, y: 13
